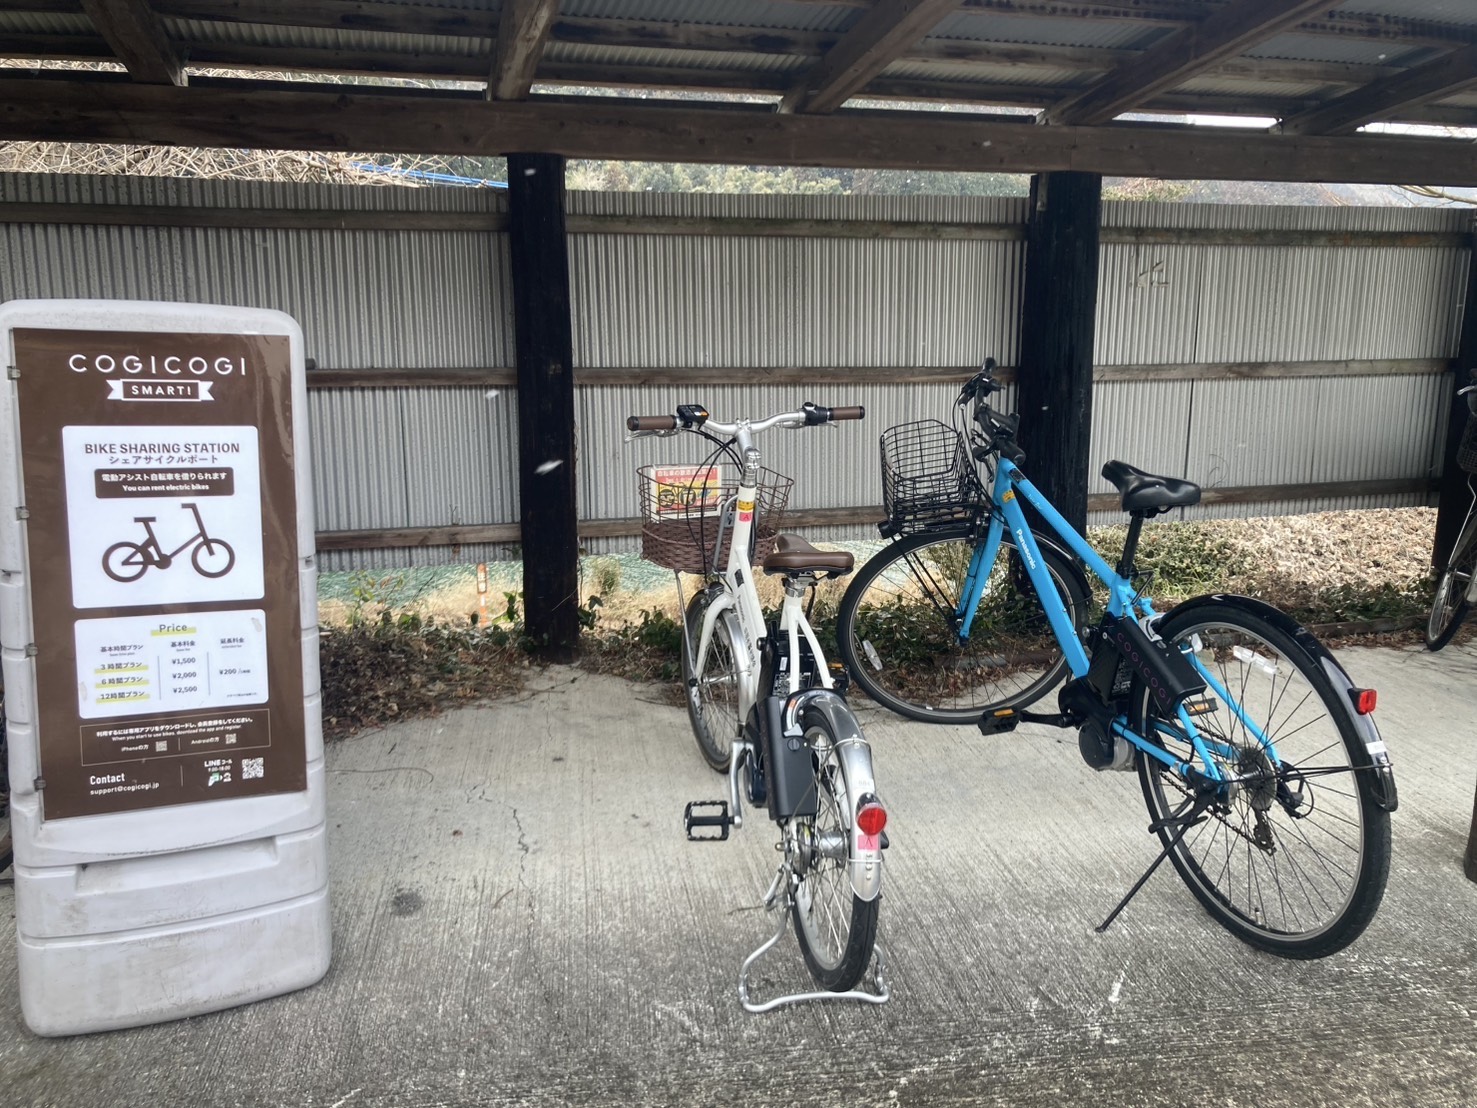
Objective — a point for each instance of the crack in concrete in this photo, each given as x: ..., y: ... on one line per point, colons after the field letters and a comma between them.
x: 523, y: 852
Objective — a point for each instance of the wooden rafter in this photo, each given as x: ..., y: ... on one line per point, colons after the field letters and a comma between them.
x: 300, y: 117
x: 1394, y: 94
x: 879, y: 37
x: 136, y: 36
x: 1223, y: 34
x: 521, y: 33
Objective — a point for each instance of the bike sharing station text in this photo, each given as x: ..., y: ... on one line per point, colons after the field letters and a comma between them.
x: 162, y: 527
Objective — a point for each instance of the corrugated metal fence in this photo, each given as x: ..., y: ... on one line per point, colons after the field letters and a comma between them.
x: 1242, y: 347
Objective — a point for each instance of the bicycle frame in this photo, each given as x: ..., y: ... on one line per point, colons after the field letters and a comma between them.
x: 741, y: 597
x: 1010, y: 487
x: 152, y: 542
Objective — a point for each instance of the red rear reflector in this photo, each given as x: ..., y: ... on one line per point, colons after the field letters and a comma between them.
x: 1364, y: 700
x: 871, y: 819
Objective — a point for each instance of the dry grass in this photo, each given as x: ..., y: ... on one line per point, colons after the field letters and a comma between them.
x: 393, y: 652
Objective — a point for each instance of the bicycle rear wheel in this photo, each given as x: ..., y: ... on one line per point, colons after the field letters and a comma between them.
x: 1296, y: 863
x: 1450, y: 606
x: 896, y: 632
x: 836, y: 928
x: 712, y: 695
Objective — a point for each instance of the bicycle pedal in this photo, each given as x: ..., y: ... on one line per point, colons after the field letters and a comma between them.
x: 1008, y: 719
x: 707, y: 821
x: 999, y: 722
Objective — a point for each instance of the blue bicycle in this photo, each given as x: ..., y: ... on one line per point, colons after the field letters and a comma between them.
x: 1265, y: 778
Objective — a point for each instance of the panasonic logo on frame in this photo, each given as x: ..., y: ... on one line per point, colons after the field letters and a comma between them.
x: 1020, y: 545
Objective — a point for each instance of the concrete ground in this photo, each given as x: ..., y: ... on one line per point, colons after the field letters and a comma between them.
x: 519, y: 920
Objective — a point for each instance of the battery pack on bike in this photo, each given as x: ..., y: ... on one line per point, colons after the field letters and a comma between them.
x: 1125, y: 652
x: 790, y: 776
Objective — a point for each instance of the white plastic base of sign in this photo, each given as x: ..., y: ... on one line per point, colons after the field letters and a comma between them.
x: 82, y: 982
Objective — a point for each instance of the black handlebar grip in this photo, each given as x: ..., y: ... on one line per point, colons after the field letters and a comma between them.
x: 857, y: 412
x: 651, y: 423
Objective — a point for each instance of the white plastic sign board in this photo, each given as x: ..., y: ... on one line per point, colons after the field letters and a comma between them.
x: 158, y: 618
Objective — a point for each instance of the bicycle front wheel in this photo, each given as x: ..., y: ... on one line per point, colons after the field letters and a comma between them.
x: 712, y: 694
x: 836, y: 928
x: 897, y: 634
x: 1450, y: 606
x: 1296, y: 862
x: 213, y: 558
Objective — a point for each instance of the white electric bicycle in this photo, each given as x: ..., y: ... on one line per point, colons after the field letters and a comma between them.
x: 765, y: 706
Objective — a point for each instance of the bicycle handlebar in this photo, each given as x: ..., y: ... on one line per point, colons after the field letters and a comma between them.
x: 997, y: 428
x: 651, y: 423
x: 692, y: 417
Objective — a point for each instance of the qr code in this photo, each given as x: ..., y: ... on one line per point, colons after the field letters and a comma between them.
x: 251, y: 767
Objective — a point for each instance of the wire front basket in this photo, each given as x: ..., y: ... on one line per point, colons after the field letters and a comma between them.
x: 1466, y: 453
x: 686, y: 511
x: 928, y: 477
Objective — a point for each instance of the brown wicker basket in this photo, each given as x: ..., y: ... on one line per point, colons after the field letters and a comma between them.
x: 682, y: 507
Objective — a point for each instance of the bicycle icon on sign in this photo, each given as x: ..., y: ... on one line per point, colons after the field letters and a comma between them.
x: 128, y: 561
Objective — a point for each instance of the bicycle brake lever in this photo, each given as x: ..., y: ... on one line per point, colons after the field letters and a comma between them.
x: 632, y: 436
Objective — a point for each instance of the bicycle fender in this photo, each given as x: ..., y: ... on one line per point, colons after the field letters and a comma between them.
x: 855, y: 757
x: 1384, y: 791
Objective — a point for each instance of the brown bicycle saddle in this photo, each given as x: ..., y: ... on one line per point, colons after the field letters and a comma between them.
x: 792, y: 554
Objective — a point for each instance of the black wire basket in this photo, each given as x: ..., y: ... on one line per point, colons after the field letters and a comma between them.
x: 1466, y: 453
x: 928, y: 477
x: 683, y: 509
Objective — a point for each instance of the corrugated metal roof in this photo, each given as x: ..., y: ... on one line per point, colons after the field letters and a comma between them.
x: 986, y: 76
x: 639, y: 56
x: 1327, y: 48
x: 1455, y: 12
x: 44, y: 23
x: 988, y: 26
x: 206, y: 32
x: 729, y: 13
x: 648, y: 44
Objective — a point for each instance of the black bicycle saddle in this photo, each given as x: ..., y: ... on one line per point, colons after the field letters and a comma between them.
x: 1148, y: 492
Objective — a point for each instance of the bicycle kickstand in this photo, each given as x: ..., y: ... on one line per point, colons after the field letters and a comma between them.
x: 778, y: 899
x: 1195, y: 815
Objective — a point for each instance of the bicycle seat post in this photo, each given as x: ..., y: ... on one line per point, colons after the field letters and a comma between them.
x: 1130, y: 545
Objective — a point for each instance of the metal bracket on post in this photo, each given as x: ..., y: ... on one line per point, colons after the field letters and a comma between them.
x: 772, y: 900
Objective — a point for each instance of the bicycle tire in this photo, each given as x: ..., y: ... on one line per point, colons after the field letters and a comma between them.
x: 207, y: 545
x: 836, y: 929
x: 895, y: 629
x: 1240, y: 863
x: 713, y: 698
x: 123, y: 548
x: 1449, y: 606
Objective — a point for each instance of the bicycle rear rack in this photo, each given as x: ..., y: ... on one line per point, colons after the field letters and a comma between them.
x: 772, y: 900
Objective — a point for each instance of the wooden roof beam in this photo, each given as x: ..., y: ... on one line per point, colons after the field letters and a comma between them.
x: 884, y: 33
x: 1411, y: 88
x: 1223, y: 34
x: 136, y: 36
x: 521, y: 34
x: 308, y: 117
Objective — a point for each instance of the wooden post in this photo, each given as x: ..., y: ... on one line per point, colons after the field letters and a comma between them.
x: 1455, y: 497
x: 545, y: 351
x: 1058, y: 308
